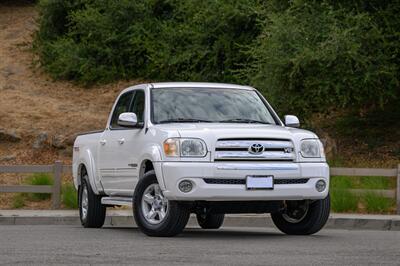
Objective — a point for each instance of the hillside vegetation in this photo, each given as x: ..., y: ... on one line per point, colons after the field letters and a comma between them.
x: 333, y: 63
x: 305, y: 56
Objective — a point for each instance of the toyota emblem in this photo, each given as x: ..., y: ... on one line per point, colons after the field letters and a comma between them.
x: 256, y: 148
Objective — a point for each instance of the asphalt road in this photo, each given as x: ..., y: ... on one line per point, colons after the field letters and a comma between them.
x: 59, y: 244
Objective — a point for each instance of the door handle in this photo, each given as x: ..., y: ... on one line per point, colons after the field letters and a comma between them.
x: 103, y: 142
x: 121, y: 141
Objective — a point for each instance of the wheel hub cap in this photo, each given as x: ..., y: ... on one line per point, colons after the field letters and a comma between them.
x: 154, y: 204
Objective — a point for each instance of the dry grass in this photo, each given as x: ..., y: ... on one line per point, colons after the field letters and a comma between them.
x: 31, y: 102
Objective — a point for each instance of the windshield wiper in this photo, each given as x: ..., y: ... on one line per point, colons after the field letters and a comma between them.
x: 183, y: 120
x: 243, y: 120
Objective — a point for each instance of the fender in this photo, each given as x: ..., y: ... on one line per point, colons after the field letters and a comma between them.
x: 153, y: 154
x: 86, y: 158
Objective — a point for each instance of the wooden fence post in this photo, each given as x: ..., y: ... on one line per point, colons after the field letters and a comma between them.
x: 398, y: 190
x: 56, y: 194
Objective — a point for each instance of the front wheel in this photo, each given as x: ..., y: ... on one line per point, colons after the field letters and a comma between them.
x: 302, y: 217
x: 154, y: 214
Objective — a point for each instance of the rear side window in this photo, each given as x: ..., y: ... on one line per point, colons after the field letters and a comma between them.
x: 123, y: 105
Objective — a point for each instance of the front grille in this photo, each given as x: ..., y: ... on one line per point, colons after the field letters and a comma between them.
x: 241, y: 150
x: 219, y: 181
x: 232, y: 181
x: 290, y: 181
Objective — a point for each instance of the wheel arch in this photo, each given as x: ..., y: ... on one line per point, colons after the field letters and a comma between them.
x: 145, y: 166
x: 81, y: 169
x: 151, y: 160
x: 86, y: 161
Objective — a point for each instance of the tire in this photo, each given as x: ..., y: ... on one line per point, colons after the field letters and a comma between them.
x: 313, y: 220
x: 175, y: 216
x: 210, y: 221
x: 95, y: 213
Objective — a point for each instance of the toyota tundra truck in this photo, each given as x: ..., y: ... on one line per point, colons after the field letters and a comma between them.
x: 172, y: 149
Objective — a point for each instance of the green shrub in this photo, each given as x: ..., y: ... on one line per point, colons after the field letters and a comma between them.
x: 376, y: 182
x: 313, y: 57
x: 341, y: 182
x: 375, y: 203
x: 343, y: 200
x: 305, y: 56
x: 69, y: 196
x: 40, y: 179
x: 363, y: 182
x: 100, y: 41
x: 18, y: 201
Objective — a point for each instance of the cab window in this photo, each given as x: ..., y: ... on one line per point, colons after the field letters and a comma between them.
x: 123, y: 105
x: 138, y: 105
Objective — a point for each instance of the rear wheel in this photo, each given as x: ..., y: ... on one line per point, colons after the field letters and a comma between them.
x: 154, y: 214
x: 91, y: 212
x: 302, y: 217
x: 210, y: 221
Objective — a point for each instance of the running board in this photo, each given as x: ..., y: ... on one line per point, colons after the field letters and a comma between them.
x: 126, y: 201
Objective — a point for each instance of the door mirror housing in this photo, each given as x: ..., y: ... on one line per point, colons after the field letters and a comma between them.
x: 128, y: 120
x: 292, y: 121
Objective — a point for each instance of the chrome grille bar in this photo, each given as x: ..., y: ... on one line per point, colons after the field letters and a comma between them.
x: 239, y: 150
x: 241, y: 144
x: 268, y: 155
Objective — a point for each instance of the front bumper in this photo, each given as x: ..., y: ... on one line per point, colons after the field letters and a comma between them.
x: 174, y: 172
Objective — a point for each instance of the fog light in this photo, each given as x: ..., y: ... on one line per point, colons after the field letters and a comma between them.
x: 320, y: 185
x: 185, y: 186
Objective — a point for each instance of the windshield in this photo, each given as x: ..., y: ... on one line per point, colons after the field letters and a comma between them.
x: 209, y: 105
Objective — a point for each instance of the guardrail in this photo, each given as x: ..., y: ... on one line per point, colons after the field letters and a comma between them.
x: 373, y: 172
x: 58, y: 169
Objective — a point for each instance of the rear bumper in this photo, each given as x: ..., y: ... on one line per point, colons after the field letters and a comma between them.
x: 174, y: 172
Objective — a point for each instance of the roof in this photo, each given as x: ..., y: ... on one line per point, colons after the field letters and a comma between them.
x: 198, y: 85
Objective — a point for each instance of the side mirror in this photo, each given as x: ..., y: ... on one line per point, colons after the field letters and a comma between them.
x: 127, y: 120
x: 292, y: 121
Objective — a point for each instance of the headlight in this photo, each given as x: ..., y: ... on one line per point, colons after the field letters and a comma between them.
x: 189, y: 147
x: 193, y: 147
x: 310, y: 148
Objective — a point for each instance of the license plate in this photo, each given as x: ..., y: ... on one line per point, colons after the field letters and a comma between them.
x: 260, y: 182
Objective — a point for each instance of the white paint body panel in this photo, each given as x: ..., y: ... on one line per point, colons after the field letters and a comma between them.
x: 114, y: 168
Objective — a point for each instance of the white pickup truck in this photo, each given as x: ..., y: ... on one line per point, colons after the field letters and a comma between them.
x: 171, y: 149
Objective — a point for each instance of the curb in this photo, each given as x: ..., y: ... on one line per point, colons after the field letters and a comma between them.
x: 123, y: 218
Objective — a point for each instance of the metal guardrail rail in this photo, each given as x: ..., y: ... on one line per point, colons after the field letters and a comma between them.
x: 57, y: 169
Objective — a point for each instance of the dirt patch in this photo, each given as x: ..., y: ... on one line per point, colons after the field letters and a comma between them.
x: 32, y: 103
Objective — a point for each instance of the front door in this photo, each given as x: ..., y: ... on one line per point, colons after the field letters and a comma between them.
x: 108, y: 157
x: 127, y: 170
x: 118, y: 163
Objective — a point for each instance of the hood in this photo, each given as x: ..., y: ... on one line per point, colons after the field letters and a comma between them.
x: 235, y: 130
x: 211, y: 132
